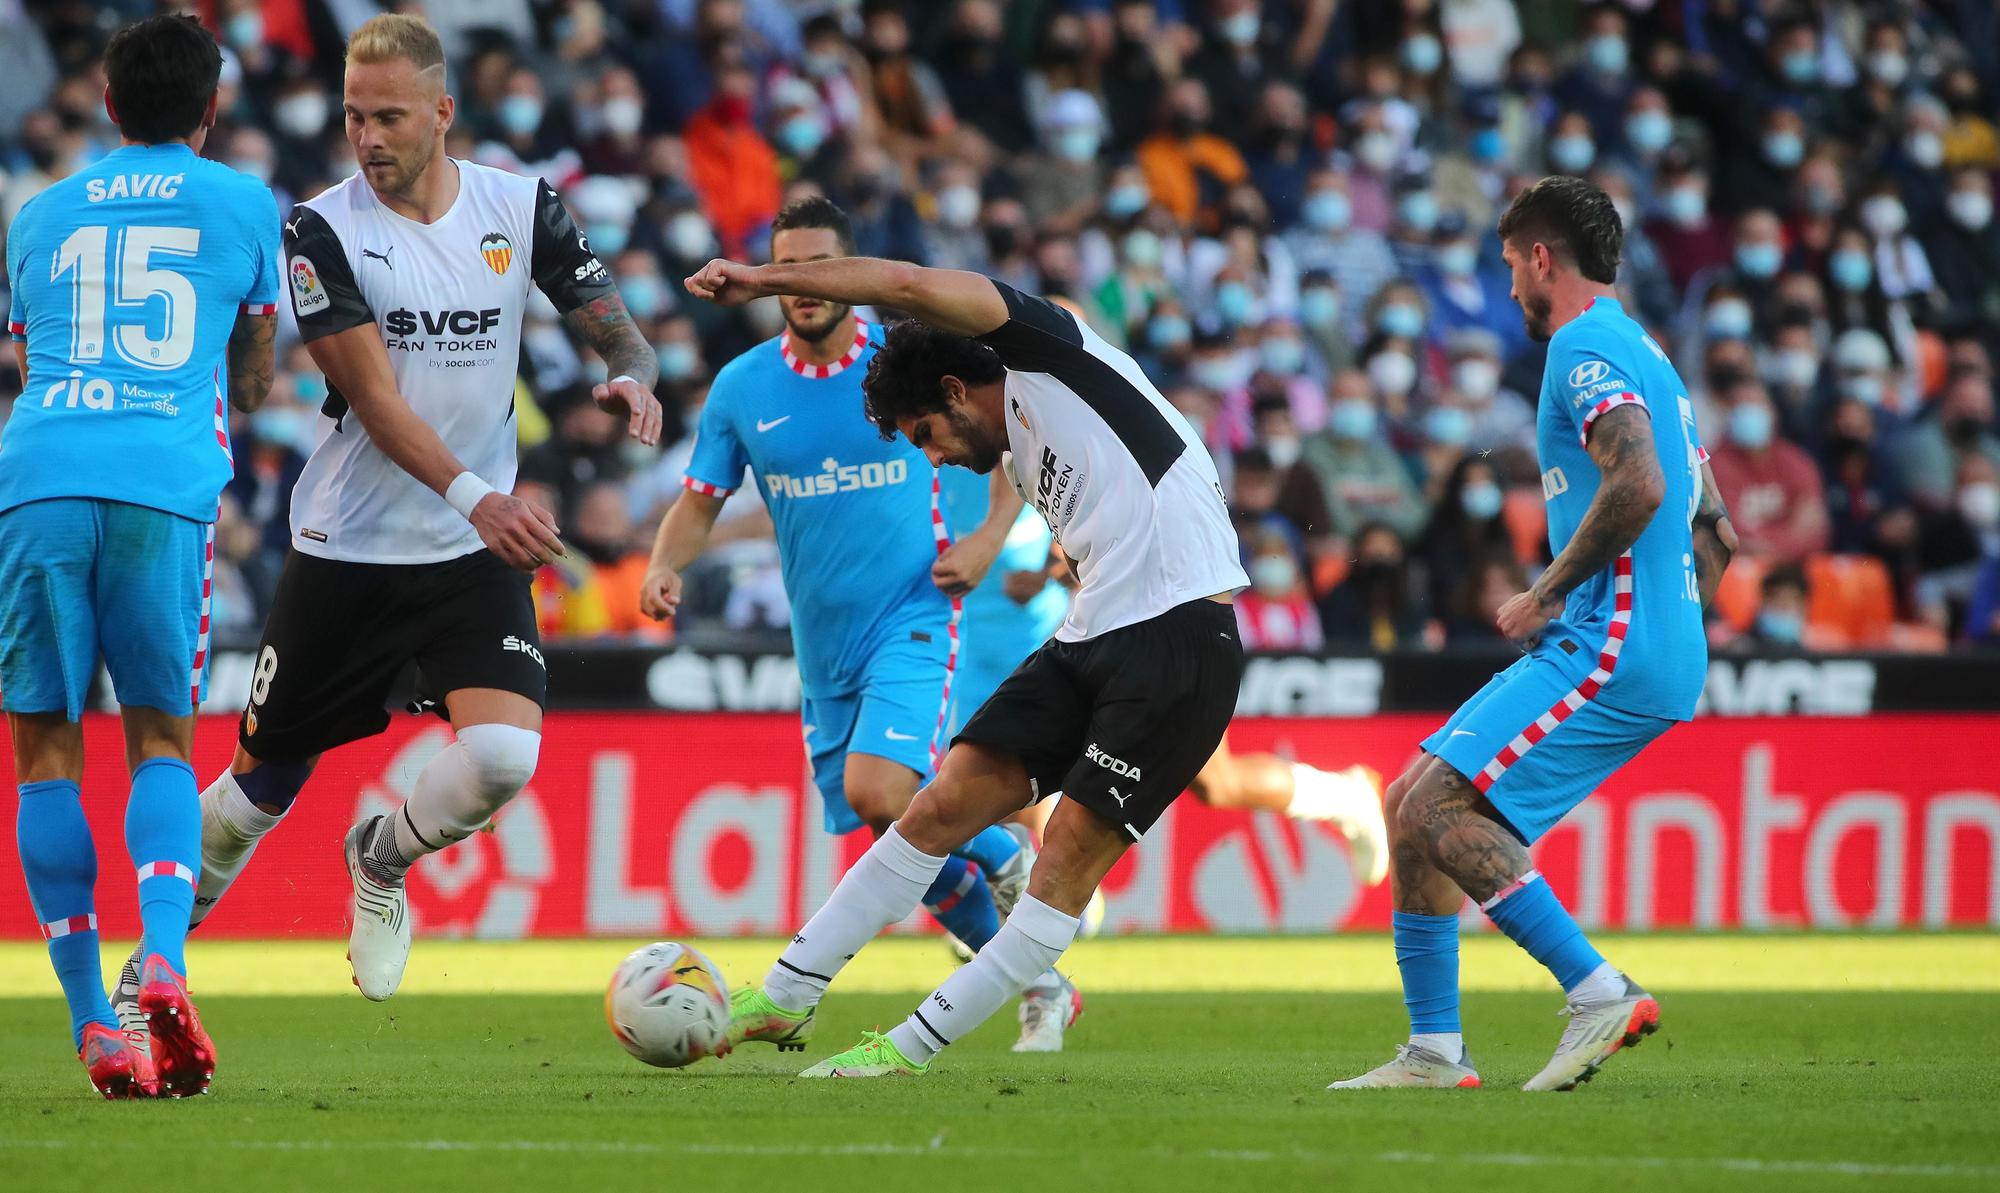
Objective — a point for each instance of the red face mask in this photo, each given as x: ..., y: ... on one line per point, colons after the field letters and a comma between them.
x: 731, y: 110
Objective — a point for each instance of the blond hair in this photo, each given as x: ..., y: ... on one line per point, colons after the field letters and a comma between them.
x: 393, y: 36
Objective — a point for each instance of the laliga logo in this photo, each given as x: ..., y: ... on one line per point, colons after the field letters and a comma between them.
x: 1590, y: 372
x: 488, y: 885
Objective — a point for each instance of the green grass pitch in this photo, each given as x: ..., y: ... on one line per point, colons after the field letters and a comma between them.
x: 1789, y: 1062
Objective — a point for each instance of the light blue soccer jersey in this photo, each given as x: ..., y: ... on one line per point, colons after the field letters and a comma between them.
x: 1649, y: 639
x: 995, y: 632
x: 127, y: 280
x: 852, y: 510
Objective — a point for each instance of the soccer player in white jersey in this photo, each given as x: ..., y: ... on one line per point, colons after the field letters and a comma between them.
x: 1119, y: 711
x: 409, y: 280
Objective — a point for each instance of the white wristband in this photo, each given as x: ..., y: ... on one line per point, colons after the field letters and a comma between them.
x: 465, y: 492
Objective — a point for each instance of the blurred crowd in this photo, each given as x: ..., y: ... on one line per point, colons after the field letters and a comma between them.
x: 1283, y: 208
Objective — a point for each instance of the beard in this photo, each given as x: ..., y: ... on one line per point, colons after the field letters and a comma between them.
x: 1536, y: 310
x: 981, y: 455
x: 821, y: 324
x: 399, y: 174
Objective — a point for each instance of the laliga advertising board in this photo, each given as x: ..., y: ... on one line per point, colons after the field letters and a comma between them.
x: 649, y: 824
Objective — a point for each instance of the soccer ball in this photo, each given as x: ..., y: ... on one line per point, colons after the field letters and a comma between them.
x: 668, y: 1005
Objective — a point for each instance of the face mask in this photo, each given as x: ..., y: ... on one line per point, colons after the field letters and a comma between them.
x: 1480, y: 501
x: 1572, y: 153
x: 1793, y: 368
x: 1750, y: 427
x: 1864, y: 388
x: 607, y: 239
x: 1328, y: 211
x: 1377, y: 151
x: 301, y: 116
x: 1274, y: 575
x: 1458, y: 260
x: 1448, y: 426
x: 801, y: 135
x: 1393, y: 373
x: 1477, y: 379
x: 1422, y: 54
x: 255, y: 167
x: 1851, y: 270
x: 1925, y: 148
x: 1649, y: 131
x: 1126, y: 201
x: 643, y: 295
x: 1800, y: 67
x: 1488, y: 146
x: 1352, y: 418
x: 1282, y: 355
x: 1283, y: 449
x: 1965, y: 432
x: 246, y: 29
x: 624, y: 115
x: 1607, y: 53
x: 1784, y: 149
x: 1002, y: 241
x: 958, y: 206
x: 1319, y: 308
x: 824, y: 66
x: 1980, y: 504
x: 1400, y: 319
x: 1217, y: 373
x: 1076, y: 144
x: 1785, y: 629
x: 1727, y: 320
x: 1242, y: 28
x: 1418, y: 210
x: 311, y: 388
x: 677, y: 360
x: 1168, y: 331
x: 1759, y: 260
x: 1687, y: 206
x: 1232, y: 302
x: 1884, y: 215
x: 1972, y: 209
x: 688, y: 236
x: 1821, y: 199
x: 1888, y: 67
x: 521, y: 115
x: 293, y: 428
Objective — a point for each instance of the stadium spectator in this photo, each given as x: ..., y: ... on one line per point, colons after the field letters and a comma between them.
x: 1063, y: 185
x: 1964, y: 250
x: 1185, y: 161
x: 1276, y: 613
x: 1358, y: 260
x: 1359, y: 473
x: 1780, y: 624
x: 1375, y: 608
x: 1476, y: 596
x: 1770, y: 485
x: 1960, y: 422
x: 1500, y: 417
x: 1465, y: 526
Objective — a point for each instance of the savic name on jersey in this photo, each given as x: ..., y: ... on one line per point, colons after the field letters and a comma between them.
x: 447, y: 298
x: 1119, y: 475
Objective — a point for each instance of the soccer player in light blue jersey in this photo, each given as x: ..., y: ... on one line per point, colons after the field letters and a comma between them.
x: 143, y: 296
x: 1615, y: 655
x: 873, y: 574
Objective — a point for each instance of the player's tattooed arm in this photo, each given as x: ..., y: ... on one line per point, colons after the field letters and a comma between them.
x: 1459, y: 839
x: 252, y: 360
x: 1714, y: 538
x: 607, y: 327
x: 1629, y: 491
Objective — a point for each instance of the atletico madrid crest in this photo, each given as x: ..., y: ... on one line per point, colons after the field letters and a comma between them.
x: 498, y: 251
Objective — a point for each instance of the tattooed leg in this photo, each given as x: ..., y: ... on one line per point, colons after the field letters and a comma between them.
x: 1415, y: 885
x: 1443, y: 815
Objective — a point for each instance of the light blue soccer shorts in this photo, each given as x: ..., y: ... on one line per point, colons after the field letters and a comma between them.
x: 1534, y: 756
x: 80, y: 578
x: 893, y: 715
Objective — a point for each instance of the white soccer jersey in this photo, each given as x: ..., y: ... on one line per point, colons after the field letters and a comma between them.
x: 1120, y: 476
x: 448, y: 298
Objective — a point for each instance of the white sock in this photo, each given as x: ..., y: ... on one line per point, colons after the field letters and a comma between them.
x: 1604, y: 984
x: 1448, y: 1044
x: 230, y: 828
x: 456, y: 793
x: 1323, y: 795
x: 881, y: 889
x: 1026, y: 947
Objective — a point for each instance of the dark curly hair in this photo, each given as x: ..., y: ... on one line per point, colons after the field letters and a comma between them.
x: 904, y: 379
x: 161, y: 72
x: 1574, y: 218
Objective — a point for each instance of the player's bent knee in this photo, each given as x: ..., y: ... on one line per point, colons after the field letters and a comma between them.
x: 502, y: 757
x: 273, y: 786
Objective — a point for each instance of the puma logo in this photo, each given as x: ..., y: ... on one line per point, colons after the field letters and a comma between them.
x: 1119, y: 797
x: 383, y: 257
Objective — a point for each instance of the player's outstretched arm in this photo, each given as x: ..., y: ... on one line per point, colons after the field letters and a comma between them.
x: 1629, y: 491
x: 252, y: 359
x: 952, y: 299
x: 1714, y: 538
x: 682, y: 537
x: 356, y: 364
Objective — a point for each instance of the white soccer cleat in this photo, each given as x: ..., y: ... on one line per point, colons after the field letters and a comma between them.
x: 1415, y: 1067
x: 1046, y: 1013
x: 378, y: 946
x: 1351, y: 801
x: 1010, y: 881
x: 125, y: 1000
x: 1595, y: 1031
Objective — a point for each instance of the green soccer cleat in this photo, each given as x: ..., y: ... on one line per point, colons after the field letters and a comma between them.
x: 753, y: 1017
x: 875, y: 1056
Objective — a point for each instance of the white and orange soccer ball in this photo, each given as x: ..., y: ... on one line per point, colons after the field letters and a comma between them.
x: 668, y: 1005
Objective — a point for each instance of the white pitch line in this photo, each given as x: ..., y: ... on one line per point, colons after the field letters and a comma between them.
x: 938, y: 1148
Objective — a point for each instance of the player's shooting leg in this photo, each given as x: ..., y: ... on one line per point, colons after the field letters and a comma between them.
x: 464, y: 785
x: 961, y: 900
x: 1247, y: 782
x: 977, y: 786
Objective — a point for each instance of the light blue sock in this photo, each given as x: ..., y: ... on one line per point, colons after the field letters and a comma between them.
x: 993, y: 848
x: 962, y: 902
x: 1532, y: 917
x: 163, y: 835
x: 1427, y: 956
x: 60, y: 864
